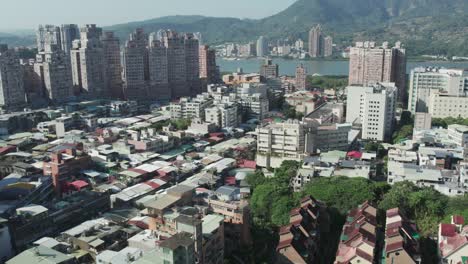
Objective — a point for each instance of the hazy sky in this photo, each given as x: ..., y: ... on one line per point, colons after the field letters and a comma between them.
x: 26, y: 14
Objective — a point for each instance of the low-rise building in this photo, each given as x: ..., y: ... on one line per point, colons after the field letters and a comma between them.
x: 453, y: 241
x: 359, y: 237
x: 299, y: 240
x: 401, y: 239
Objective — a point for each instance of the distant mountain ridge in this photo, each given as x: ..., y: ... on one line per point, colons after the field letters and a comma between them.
x: 425, y: 26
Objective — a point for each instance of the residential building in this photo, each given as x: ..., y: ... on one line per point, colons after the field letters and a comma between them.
x: 443, y: 105
x: 12, y: 94
x: 48, y: 35
x: 213, y: 239
x: 182, y: 63
x: 177, y: 249
x: 262, y: 47
x: 401, y: 239
x: 208, y: 68
x: 329, y: 137
x: 299, y: 241
x: 158, y: 87
x: 269, y: 70
x: 422, y: 121
x: 223, y: 115
x: 359, y: 236
x: 54, y: 70
x: 374, y: 107
x: 301, y: 77
x: 426, y: 83
x: 40, y: 254
x: 370, y: 64
x: 68, y: 34
x: 453, y: 240
x: 111, y: 47
x: 191, y: 107
x: 315, y: 42
x: 63, y: 165
x: 327, y: 46
x: 458, y: 134
x: 282, y: 141
x: 134, y: 59
x: 88, y: 63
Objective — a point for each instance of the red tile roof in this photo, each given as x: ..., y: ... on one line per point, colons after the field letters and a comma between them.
x: 452, y: 244
x: 448, y: 230
x: 393, y: 212
x: 458, y: 220
x: 79, y: 184
x: 251, y: 164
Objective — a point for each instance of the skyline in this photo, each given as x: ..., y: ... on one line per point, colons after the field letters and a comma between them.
x: 124, y: 11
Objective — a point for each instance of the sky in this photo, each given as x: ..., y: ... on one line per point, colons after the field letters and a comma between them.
x: 27, y: 14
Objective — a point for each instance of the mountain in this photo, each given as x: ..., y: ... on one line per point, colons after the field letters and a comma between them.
x: 425, y: 26
x: 18, y: 39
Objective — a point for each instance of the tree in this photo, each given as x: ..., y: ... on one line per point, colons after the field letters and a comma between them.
x: 255, y: 179
x: 405, y: 132
x: 425, y: 205
x: 343, y: 193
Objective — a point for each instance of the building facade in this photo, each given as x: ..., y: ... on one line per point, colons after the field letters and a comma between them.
x: 12, y: 95
x: 370, y: 64
x: 424, y: 82
x: 282, y: 141
x: 374, y: 107
x: 301, y: 77
x: 111, y: 46
x: 88, y: 63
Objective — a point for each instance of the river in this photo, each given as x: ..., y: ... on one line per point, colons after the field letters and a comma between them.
x: 288, y: 67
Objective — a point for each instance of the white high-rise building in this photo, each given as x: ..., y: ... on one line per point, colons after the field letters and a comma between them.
x: 262, y: 47
x: 426, y: 82
x: 12, y: 95
x: 374, y: 108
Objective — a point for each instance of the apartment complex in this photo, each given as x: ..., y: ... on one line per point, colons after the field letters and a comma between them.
x: 358, y: 241
x: 282, y: 141
x: 299, y: 241
x: 208, y: 68
x: 401, y: 239
x: 319, y: 45
x: 269, y: 70
x: 262, y: 47
x: 373, y: 107
x: 371, y: 64
x: 440, y: 92
x: 52, y: 67
x: 88, y: 63
x: 12, y: 94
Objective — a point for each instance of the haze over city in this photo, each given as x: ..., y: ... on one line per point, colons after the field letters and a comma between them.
x: 26, y: 13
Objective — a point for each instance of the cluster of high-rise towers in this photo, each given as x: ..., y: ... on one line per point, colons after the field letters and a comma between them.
x: 88, y: 62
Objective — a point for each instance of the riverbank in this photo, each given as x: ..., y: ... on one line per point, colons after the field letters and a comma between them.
x: 321, y: 67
